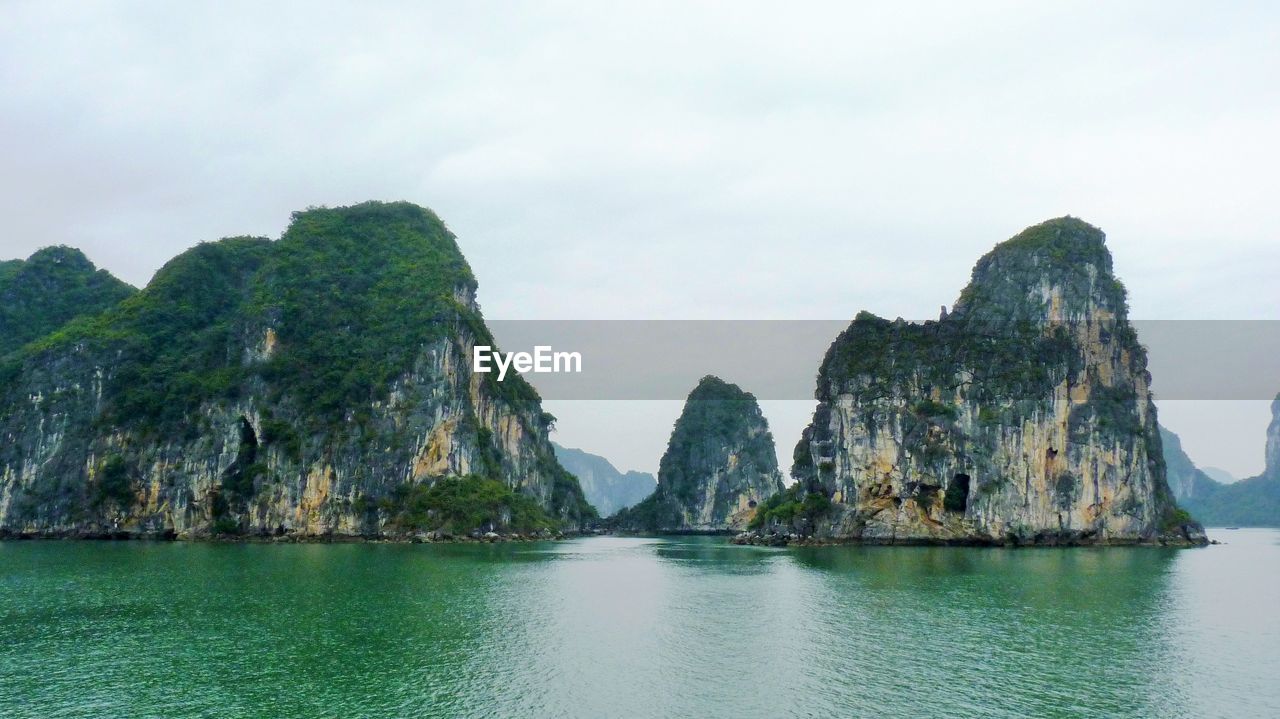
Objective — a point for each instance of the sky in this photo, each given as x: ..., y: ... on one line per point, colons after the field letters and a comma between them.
x: 674, y: 160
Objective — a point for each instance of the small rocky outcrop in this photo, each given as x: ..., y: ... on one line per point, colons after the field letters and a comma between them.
x: 720, y: 464
x: 1022, y: 416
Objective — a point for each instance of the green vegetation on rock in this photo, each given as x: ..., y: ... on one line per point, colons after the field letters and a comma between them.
x: 113, y: 485
x: 170, y: 344
x: 720, y: 454
x: 459, y: 505
x: 998, y: 347
x: 353, y: 293
x: 334, y: 357
x: 52, y: 287
x: 717, y: 414
x: 967, y: 409
x: 350, y: 294
x: 791, y: 507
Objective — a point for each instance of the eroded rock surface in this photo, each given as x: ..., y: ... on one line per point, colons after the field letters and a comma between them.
x: 720, y: 464
x: 1024, y: 415
x: 312, y: 386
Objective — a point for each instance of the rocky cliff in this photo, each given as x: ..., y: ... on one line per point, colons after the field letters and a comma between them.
x: 1273, y: 442
x: 1253, y: 502
x: 607, y: 489
x: 315, y: 385
x: 719, y: 465
x: 1023, y: 416
x: 50, y: 288
x: 1186, y: 480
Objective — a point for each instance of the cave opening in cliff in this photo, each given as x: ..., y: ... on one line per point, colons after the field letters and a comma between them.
x: 957, y: 497
x: 238, y: 479
x: 248, y: 438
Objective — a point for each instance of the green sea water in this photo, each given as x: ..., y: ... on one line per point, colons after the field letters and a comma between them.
x: 634, y: 627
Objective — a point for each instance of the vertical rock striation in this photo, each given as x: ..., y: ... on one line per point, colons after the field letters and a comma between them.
x: 1022, y: 416
x: 719, y: 465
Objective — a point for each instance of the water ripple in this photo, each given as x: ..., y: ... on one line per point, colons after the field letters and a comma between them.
x: 635, y: 627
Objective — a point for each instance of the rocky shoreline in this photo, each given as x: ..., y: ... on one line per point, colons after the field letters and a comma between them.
x: 1185, y: 537
x: 753, y: 538
x: 431, y: 537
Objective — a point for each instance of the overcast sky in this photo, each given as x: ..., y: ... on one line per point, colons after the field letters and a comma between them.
x: 671, y: 161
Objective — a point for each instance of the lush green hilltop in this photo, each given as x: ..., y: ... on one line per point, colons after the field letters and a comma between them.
x: 349, y: 293
x: 314, y: 384
x: 48, y: 289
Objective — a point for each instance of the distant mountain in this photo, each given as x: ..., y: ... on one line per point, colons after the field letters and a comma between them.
x: 607, y: 489
x: 1253, y: 502
x: 50, y: 288
x: 1185, y: 479
x: 1220, y: 476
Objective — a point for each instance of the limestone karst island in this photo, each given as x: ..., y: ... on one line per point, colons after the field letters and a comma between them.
x: 414, y: 359
x: 318, y: 386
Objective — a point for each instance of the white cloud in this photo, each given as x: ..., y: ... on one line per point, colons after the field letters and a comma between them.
x: 665, y: 160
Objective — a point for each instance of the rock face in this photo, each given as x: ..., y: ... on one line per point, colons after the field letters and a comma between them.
x: 1023, y: 416
x: 50, y: 288
x: 719, y: 465
x: 607, y: 489
x: 1186, y: 481
x: 315, y: 385
x: 1273, y: 442
x: 1253, y: 502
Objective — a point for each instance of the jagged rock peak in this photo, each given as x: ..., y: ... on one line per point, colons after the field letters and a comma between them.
x: 1057, y: 270
x: 720, y: 463
x: 1023, y: 415
x: 711, y: 387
